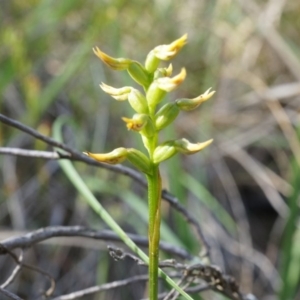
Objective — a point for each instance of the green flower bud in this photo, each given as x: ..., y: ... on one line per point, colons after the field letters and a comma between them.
x: 149, y: 129
x: 185, y: 147
x: 190, y: 104
x: 151, y: 62
x: 138, y: 101
x: 154, y: 95
x: 115, y: 157
x: 139, y: 74
x: 164, y: 152
x: 139, y: 160
x: 166, y: 115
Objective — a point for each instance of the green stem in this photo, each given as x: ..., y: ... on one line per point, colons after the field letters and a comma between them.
x: 154, y: 199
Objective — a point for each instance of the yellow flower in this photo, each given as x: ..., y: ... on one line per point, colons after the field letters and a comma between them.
x: 163, y: 52
x: 136, y: 123
x: 168, y: 84
x: 141, y: 123
x: 167, y: 52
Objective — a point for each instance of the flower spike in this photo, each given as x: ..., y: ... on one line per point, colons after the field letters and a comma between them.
x: 148, y: 121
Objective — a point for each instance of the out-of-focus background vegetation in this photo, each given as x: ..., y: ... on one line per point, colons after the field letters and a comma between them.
x: 242, y: 189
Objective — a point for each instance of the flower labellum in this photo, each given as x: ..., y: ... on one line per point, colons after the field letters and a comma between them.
x: 137, y: 122
x: 120, y: 94
x: 185, y: 147
x: 167, y: 52
x: 163, y: 72
x: 164, y: 52
x: 190, y: 104
x: 168, y: 84
x: 114, y: 157
x: 118, y: 64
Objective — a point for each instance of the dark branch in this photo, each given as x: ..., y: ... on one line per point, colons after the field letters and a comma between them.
x: 32, y: 238
x: 21, y: 264
x: 31, y: 153
x: 103, y: 287
x: 9, y: 294
x: 14, y: 273
x: 173, y: 201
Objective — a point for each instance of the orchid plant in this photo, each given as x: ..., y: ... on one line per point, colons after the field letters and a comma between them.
x: 149, y: 119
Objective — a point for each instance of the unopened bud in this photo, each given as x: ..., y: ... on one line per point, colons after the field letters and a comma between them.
x: 139, y: 160
x: 154, y: 95
x: 139, y: 74
x: 164, y: 152
x: 151, y: 62
x: 166, y: 115
x: 138, y: 101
